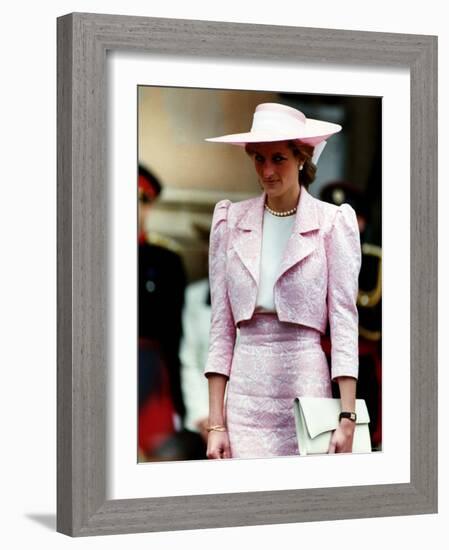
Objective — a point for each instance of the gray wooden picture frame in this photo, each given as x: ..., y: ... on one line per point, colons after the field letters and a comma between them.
x: 82, y: 190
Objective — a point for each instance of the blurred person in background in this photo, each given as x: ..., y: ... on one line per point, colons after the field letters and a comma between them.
x: 161, y: 285
x: 195, y: 344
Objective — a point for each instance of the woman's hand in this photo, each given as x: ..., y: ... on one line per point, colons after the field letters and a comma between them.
x: 218, y: 445
x: 342, y: 438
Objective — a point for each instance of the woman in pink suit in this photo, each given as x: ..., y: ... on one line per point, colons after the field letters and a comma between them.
x: 280, y: 266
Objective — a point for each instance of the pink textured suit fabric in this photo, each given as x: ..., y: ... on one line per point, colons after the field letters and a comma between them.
x: 278, y: 356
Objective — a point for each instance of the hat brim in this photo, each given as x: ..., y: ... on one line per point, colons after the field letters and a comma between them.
x: 314, y: 132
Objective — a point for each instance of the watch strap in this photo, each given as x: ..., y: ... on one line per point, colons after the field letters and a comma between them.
x: 350, y: 415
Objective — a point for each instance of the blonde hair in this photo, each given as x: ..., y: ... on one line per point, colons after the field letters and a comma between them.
x: 300, y: 150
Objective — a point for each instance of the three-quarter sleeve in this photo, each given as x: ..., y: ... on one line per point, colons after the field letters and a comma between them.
x: 344, y: 261
x: 222, y: 330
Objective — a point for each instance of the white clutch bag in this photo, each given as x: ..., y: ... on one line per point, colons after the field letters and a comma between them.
x: 317, y: 417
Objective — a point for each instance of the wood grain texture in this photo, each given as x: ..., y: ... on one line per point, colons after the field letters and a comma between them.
x: 423, y: 272
x: 64, y: 277
x: 83, y: 40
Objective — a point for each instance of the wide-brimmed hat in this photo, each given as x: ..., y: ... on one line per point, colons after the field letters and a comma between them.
x: 277, y: 122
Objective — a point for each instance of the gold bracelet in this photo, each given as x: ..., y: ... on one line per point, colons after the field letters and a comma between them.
x: 217, y: 428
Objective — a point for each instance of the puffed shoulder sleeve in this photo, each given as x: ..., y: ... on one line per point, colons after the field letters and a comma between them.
x: 222, y: 330
x: 344, y: 261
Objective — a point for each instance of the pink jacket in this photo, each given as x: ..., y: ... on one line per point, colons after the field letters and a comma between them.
x: 317, y: 280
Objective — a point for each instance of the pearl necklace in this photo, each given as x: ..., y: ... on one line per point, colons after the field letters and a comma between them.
x: 280, y: 214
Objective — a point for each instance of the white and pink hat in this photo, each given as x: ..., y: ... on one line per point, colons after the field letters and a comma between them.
x: 277, y: 122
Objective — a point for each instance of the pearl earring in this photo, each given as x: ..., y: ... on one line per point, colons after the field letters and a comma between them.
x: 300, y: 168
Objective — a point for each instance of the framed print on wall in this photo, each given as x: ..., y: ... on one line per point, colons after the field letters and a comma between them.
x: 174, y: 225
x: 165, y: 130
x: 95, y: 53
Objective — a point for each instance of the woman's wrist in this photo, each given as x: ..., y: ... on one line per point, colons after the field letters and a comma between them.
x: 216, y: 428
x: 347, y: 425
x: 217, y: 420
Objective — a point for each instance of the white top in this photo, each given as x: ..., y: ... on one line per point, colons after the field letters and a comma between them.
x: 276, y: 232
x: 193, y: 352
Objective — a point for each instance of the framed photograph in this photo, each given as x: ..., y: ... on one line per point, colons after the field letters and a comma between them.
x: 175, y: 213
x: 148, y: 91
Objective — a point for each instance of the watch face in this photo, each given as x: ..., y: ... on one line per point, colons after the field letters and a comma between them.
x: 350, y: 415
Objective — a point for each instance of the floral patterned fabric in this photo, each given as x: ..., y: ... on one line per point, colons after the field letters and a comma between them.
x: 273, y: 363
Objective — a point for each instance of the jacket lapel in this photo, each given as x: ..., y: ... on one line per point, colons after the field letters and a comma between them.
x: 303, y: 239
x: 248, y: 242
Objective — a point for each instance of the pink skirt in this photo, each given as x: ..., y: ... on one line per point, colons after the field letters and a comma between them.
x: 273, y: 363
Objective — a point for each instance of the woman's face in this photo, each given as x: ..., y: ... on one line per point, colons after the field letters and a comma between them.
x: 277, y: 168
